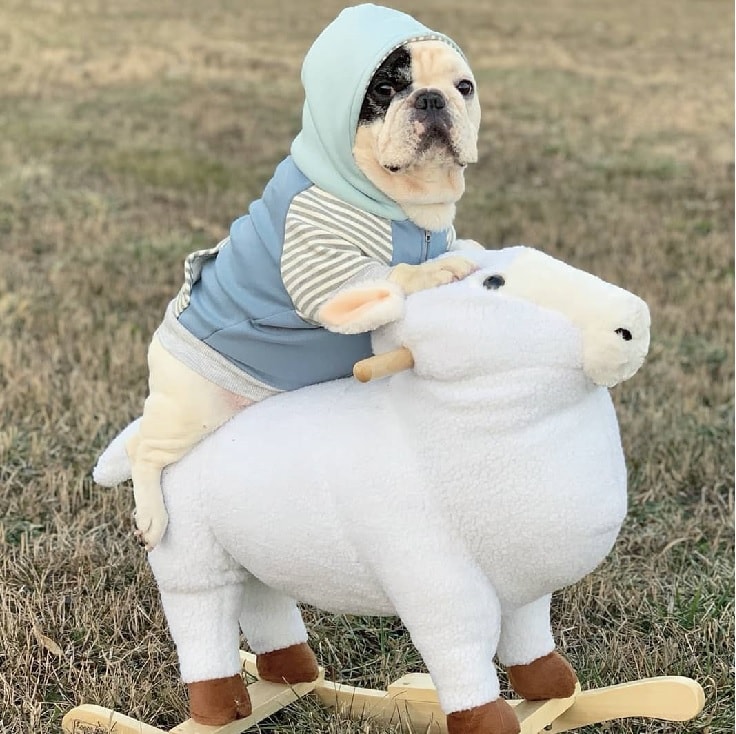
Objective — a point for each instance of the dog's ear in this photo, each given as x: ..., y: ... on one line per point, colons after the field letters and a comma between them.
x: 362, y: 308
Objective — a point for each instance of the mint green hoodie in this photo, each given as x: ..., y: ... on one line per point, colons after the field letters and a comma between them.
x: 336, y: 72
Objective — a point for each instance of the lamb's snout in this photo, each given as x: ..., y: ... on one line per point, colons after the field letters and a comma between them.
x: 614, y: 355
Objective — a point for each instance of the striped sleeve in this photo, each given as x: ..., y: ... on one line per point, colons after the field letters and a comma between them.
x: 327, y: 243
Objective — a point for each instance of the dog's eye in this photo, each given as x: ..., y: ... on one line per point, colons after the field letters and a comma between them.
x: 384, y: 90
x: 494, y: 282
x: 465, y: 87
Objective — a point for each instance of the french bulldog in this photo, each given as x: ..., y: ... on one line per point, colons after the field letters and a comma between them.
x: 368, y: 193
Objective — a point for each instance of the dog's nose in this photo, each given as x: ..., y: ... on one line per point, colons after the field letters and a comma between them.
x: 429, y: 100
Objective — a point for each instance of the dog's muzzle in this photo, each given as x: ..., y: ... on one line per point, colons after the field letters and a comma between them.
x: 430, y: 109
x: 433, y: 122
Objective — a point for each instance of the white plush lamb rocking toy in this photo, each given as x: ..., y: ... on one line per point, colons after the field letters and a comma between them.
x: 459, y: 494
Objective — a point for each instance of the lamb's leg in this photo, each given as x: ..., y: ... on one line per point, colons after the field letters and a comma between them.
x: 273, y: 626
x: 204, y: 626
x: 536, y: 671
x: 454, y: 622
x: 451, y: 612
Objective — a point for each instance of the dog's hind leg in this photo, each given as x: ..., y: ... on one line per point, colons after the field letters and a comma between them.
x: 181, y: 409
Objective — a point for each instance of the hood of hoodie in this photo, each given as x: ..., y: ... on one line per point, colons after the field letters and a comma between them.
x: 335, y: 74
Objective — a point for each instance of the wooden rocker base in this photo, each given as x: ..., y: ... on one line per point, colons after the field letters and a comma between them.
x: 412, y: 701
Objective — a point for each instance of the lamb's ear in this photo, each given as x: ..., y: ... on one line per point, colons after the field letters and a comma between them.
x: 362, y: 308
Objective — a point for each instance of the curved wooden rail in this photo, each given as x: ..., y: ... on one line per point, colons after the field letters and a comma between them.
x: 412, y: 701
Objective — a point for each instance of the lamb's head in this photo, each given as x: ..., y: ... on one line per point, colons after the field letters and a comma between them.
x: 521, y: 309
x: 613, y: 323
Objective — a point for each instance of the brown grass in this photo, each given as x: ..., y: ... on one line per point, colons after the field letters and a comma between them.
x: 131, y: 133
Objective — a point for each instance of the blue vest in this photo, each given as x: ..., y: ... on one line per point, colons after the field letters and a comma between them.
x: 240, y: 307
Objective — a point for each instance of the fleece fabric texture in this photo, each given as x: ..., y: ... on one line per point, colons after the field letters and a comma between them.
x: 458, y: 495
x: 335, y: 74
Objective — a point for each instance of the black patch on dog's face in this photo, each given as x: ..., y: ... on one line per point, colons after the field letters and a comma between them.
x: 393, y: 77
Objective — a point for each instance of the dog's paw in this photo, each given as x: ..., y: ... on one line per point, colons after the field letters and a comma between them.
x: 150, y: 526
x: 413, y: 278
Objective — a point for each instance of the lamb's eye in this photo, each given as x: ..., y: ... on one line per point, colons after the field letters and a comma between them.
x: 493, y: 282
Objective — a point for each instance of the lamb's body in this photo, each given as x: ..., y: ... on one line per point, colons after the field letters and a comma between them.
x: 457, y: 495
x: 531, y: 514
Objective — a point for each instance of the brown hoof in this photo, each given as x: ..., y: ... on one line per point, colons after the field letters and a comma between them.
x: 294, y: 664
x: 550, y: 676
x: 219, y: 701
x: 496, y: 717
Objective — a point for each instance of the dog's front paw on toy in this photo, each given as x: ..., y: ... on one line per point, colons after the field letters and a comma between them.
x: 293, y: 664
x: 496, y: 717
x: 550, y: 676
x: 413, y: 278
x: 219, y: 701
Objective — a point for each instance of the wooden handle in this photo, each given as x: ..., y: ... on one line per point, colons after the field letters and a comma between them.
x: 382, y: 365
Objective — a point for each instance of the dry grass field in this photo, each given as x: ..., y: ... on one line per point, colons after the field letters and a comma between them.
x: 133, y: 132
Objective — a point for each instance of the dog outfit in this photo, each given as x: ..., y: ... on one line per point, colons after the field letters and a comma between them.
x: 246, y: 316
x: 245, y: 320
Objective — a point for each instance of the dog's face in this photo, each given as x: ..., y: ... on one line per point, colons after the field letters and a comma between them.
x: 418, y: 129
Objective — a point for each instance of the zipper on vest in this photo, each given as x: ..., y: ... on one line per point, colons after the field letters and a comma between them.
x: 425, y: 246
